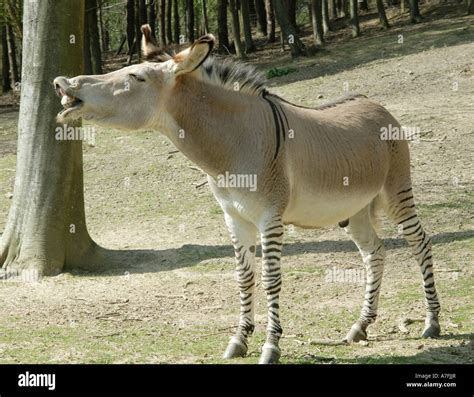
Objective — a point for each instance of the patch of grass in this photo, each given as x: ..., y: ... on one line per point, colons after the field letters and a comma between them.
x: 278, y: 72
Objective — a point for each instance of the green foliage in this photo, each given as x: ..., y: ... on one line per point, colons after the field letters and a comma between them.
x: 278, y: 72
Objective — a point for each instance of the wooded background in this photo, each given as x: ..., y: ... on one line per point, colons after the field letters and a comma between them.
x: 112, y: 27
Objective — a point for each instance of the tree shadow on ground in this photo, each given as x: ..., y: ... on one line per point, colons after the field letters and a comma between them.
x: 461, y: 352
x: 151, y: 261
x: 440, y: 30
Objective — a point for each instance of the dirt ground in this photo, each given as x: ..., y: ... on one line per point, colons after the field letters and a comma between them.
x: 176, y: 299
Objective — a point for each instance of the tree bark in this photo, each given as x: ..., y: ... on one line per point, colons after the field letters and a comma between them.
x: 332, y: 9
x: 363, y: 5
x: 205, y: 20
x: 46, y: 230
x: 316, y: 20
x: 354, y: 21
x: 176, y: 27
x: 162, y: 24
x: 291, y: 9
x: 14, y: 74
x: 271, y: 25
x: 325, y: 16
x: 86, y: 50
x: 261, y: 17
x: 6, y: 85
x: 222, y: 30
x: 190, y: 20
x: 239, y: 49
x: 152, y: 18
x: 169, y: 21
x: 249, y: 44
x: 288, y: 30
x: 130, y: 7
x: 94, y: 39
x: 415, y: 16
x: 382, y: 16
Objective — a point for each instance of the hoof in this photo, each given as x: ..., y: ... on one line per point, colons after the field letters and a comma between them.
x: 270, y: 354
x: 432, y: 330
x: 235, y: 349
x: 355, y: 334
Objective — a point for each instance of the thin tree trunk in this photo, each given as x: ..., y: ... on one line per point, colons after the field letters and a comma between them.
x: 6, y: 85
x: 382, y: 16
x: 316, y: 20
x: 289, y: 31
x: 122, y: 43
x: 152, y: 18
x: 291, y: 9
x: 15, y: 75
x: 415, y: 16
x: 176, y: 27
x: 205, y: 20
x: 239, y: 49
x: 363, y: 5
x: 94, y: 39
x: 102, y: 32
x: 325, y: 16
x: 271, y: 24
x: 222, y: 30
x: 261, y: 17
x: 46, y: 228
x: 249, y: 44
x: 470, y: 7
x: 169, y: 21
x: 162, y: 23
x: 190, y: 20
x: 354, y: 21
x: 87, y: 49
x: 332, y: 9
x: 130, y: 28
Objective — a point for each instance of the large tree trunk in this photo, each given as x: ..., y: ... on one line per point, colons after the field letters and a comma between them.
x: 190, y: 20
x: 130, y: 29
x: 222, y: 30
x: 94, y: 39
x: 176, y: 27
x: 261, y: 17
x: 271, y: 25
x: 287, y: 28
x: 162, y: 24
x: 354, y: 22
x: 46, y: 229
x: 249, y: 45
x: 239, y: 49
x: 382, y: 16
x: 15, y: 76
x: 6, y: 84
x: 415, y: 15
x: 316, y: 19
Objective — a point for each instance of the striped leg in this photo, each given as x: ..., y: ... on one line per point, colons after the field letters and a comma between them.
x: 243, y: 235
x: 272, y: 240
x: 372, y: 250
x: 420, y: 245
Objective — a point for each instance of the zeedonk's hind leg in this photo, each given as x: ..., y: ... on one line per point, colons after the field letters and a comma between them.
x: 371, y: 248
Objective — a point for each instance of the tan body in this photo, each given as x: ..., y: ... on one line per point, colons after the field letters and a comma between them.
x: 312, y: 167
